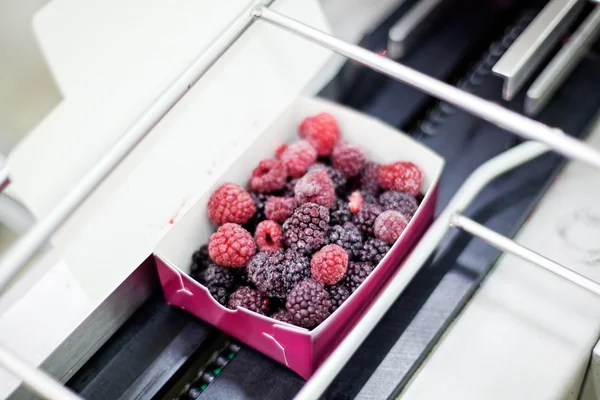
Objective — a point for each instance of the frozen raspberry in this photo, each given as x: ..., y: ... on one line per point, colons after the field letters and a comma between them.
x: 348, y: 236
x: 309, y: 303
x: 348, y: 158
x: 219, y: 281
x: 356, y: 274
x: 280, y: 149
x: 265, y: 271
x: 339, y: 213
x: 250, y: 299
x: 373, y: 250
x: 230, y: 203
x: 355, y: 202
x: 283, y: 316
x: 389, y: 225
x: 315, y: 187
x: 298, y: 157
x: 337, y: 177
x: 399, y: 201
x: 279, y: 209
x: 338, y: 293
x: 365, y: 218
x: 200, y: 261
x: 268, y: 236
x: 296, y: 268
x: 368, y: 178
x: 231, y: 246
x: 305, y: 230
x: 321, y: 131
x: 269, y: 176
x: 329, y: 264
x: 401, y: 177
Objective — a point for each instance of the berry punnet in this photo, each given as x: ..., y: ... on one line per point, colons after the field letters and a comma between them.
x: 401, y: 176
x: 231, y: 246
x: 329, y: 264
x: 230, y: 203
x: 305, y: 231
x: 321, y: 131
x: 309, y: 304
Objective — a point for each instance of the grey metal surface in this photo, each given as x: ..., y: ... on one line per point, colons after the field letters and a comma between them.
x: 561, y: 66
x: 534, y: 44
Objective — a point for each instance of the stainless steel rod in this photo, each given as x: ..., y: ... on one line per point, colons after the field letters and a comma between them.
x: 25, y: 248
x: 509, y: 246
x: 500, y: 116
x: 39, y: 382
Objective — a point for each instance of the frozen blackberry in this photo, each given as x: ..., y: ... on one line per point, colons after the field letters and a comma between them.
x: 373, y: 250
x: 348, y: 236
x: 402, y: 202
x: 338, y: 178
x: 288, y: 189
x: 200, y: 261
x: 259, y: 215
x: 368, y: 197
x: 338, y: 293
x: 368, y: 178
x: 306, y: 229
x: 365, y: 218
x: 296, y: 268
x: 356, y: 274
x: 265, y: 271
x: 309, y: 303
x: 283, y: 316
x: 339, y: 213
x: 219, y: 281
x: 250, y: 299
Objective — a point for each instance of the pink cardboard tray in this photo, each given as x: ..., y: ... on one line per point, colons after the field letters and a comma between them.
x: 299, y: 349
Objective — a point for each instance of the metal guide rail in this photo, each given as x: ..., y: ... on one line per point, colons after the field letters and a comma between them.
x: 544, y: 138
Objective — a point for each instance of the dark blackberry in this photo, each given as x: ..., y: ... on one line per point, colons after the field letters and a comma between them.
x: 369, y: 198
x: 338, y: 293
x: 356, y: 274
x: 306, y: 229
x: 402, y: 202
x: 250, y: 299
x: 283, y: 316
x: 339, y: 213
x: 348, y: 236
x: 365, y: 217
x: 219, y: 281
x: 368, y: 178
x: 200, y: 261
x: 259, y: 215
x: 309, y: 303
x: 265, y: 271
x: 373, y: 250
x: 338, y: 178
x: 296, y: 268
x: 288, y: 189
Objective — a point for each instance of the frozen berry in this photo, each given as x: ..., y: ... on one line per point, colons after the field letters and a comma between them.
x: 219, y: 281
x: 268, y: 177
x: 230, y: 203
x: 365, y: 218
x: 305, y: 230
x: 268, y: 236
x: 279, y: 209
x: 401, y: 177
x: 231, y: 246
x: 348, y: 158
x: 348, y: 236
x: 355, y: 202
x: 337, y: 177
x: 288, y: 189
x: 329, y: 264
x: 338, y: 293
x: 280, y: 149
x: 250, y: 299
x: 389, y: 225
x: 200, y: 261
x: 283, y: 316
x: 296, y: 268
x: 340, y: 213
x: 315, y: 187
x: 309, y: 303
x: 265, y: 272
x: 356, y: 274
x: 298, y: 157
x: 368, y: 178
x: 373, y: 250
x: 321, y: 131
x: 259, y: 215
x: 399, y: 201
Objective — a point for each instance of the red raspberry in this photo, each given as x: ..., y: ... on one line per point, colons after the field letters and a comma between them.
x: 315, y: 187
x: 231, y: 246
x: 356, y: 202
x: 280, y: 208
x: 279, y: 150
x: 268, y: 236
x: 402, y: 177
x: 230, y: 203
x: 389, y: 225
x: 329, y: 264
x: 321, y: 131
x: 269, y: 176
x: 298, y: 157
x: 348, y: 158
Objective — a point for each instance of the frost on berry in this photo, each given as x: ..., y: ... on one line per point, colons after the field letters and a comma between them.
x: 305, y: 231
x: 348, y: 158
x: 231, y: 246
x: 250, y: 299
x: 402, y: 202
x: 315, y: 187
x: 280, y: 208
x: 368, y: 178
x: 269, y: 176
x: 402, y: 177
x: 298, y: 157
x: 329, y: 264
x: 230, y: 203
x: 268, y: 236
x: 389, y: 225
x: 321, y: 131
x: 309, y: 304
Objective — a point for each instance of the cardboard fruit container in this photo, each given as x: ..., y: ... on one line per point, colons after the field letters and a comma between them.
x: 299, y: 349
